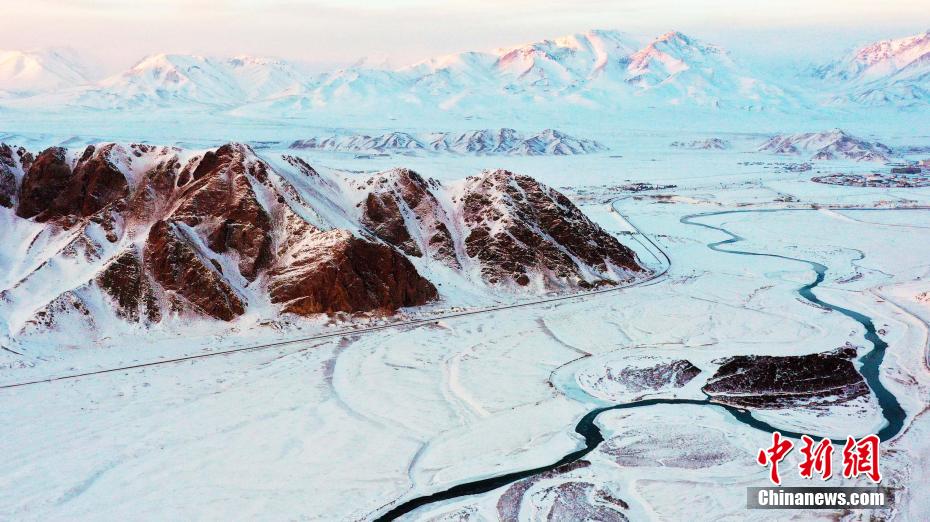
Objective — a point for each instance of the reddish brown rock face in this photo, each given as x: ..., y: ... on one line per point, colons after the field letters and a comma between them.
x: 96, y: 183
x: 125, y: 281
x: 54, y: 191
x: 383, y: 216
x: 220, y: 201
x: 400, y: 192
x: 45, y: 180
x: 337, y: 272
x: 177, y: 266
x: 511, y: 220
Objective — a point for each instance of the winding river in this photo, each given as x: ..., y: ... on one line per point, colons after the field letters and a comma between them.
x: 870, y: 364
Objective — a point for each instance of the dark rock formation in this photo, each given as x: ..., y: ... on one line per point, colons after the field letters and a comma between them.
x: 44, y: 181
x: 402, y: 195
x: 95, y: 183
x: 479, y: 142
x: 674, y: 374
x: 519, y: 227
x: 335, y: 271
x: 180, y: 269
x: 51, y: 190
x: 157, y: 185
x: 383, y: 216
x: 169, y: 233
x: 125, y: 281
x: 828, y: 145
x: 12, y: 162
x: 221, y: 202
x: 706, y: 144
x: 761, y: 381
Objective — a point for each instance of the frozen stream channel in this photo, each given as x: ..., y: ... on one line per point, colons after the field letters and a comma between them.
x: 587, y: 428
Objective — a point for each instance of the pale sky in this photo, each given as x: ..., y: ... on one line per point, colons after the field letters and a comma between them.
x: 116, y: 33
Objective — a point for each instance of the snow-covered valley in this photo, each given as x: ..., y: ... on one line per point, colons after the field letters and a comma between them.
x: 348, y: 426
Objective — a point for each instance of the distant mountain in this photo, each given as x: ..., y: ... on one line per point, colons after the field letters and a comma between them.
x: 479, y: 142
x: 175, y: 79
x: 706, y: 144
x: 829, y: 145
x: 600, y: 71
x: 889, y: 72
x: 680, y: 69
x: 565, y: 64
x: 597, y: 69
x: 30, y: 72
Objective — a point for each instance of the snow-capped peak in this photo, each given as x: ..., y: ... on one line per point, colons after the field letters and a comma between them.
x: 886, y: 72
x: 674, y: 53
x: 170, y: 78
x: 28, y: 72
x: 882, y: 58
x: 559, y: 62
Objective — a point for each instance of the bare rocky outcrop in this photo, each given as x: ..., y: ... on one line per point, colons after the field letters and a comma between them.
x: 125, y: 280
x: 334, y: 271
x: 400, y: 199
x: 520, y: 229
x: 765, y: 382
x: 196, y: 230
x: 705, y: 144
x: 829, y: 145
x: 180, y: 269
x: 157, y: 186
x: 512, y: 228
x: 501, y: 141
x: 48, y: 176
x: 221, y: 202
x: 13, y: 161
x: 51, y: 190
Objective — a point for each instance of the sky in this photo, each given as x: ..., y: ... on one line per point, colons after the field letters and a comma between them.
x: 324, y: 33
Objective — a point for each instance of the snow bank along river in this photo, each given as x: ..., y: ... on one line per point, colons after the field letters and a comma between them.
x: 870, y: 363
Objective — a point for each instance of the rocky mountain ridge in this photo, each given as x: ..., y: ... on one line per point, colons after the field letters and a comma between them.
x: 828, y: 145
x: 479, y: 142
x: 146, y: 234
x: 892, y: 72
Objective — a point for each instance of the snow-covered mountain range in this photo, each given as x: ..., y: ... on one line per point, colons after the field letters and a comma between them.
x: 479, y: 142
x: 889, y: 72
x: 828, y: 145
x: 596, y: 70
